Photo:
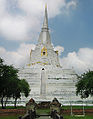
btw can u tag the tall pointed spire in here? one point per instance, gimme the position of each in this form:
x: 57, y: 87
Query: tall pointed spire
x: 45, y: 23
x: 44, y: 37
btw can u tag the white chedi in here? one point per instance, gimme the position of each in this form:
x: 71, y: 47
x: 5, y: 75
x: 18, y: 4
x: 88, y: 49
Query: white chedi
x: 53, y: 81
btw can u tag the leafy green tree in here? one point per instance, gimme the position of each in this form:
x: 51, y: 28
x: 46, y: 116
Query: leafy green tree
x: 1, y: 71
x: 25, y: 87
x: 3, y: 83
x: 8, y: 75
x: 12, y: 79
x: 10, y: 85
x: 16, y: 92
x: 1, y: 61
x: 21, y: 86
x: 84, y: 86
x: 1, y: 78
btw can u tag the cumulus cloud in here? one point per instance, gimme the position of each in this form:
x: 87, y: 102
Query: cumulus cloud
x: 81, y: 61
x: 34, y: 7
x: 21, y: 19
x: 14, y: 28
x: 55, y: 7
x: 17, y: 58
x: 2, y: 8
x: 71, y: 4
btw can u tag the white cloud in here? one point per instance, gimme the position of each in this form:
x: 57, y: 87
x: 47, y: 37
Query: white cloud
x: 18, y: 58
x: 72, y: 4
x: 2, y: 8
x: 34, y: 8
x: 13, y: 28
x: 25, y: 23
x: 81, y: 61
x: 55, y: 7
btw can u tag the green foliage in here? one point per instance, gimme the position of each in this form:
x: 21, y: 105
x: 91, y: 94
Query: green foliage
x: 10, y: 85
x: 8, y: 77
x: 84, y: 86
x: 74, y: 117
x: 25, y: 87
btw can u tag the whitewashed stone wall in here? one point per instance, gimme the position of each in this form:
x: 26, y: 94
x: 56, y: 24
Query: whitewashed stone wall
x: 60, y: 83
x: 50, y: 59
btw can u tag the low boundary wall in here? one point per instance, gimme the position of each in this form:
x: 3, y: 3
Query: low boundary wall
x: 23, y: 111
x: 77, y: 111
x: 12, y: 111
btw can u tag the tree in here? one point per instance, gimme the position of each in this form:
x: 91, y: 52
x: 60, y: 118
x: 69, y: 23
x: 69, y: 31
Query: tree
x: 16, y: 92
x: 3, y: 83
x: 8, y: 74
x: 1, y: 79
x: 21, y: 86
x: 84, y: 86
x: 10, y: 85
x: 25, y: 87
x: 1, y: 70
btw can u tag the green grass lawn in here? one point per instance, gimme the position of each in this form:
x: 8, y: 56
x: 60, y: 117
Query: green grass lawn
x: 77, y: 107
x: 43, y: 111
x: 74, y: 117
x: 9, y: 117
x: 12, y: 107
x: 63, y: 107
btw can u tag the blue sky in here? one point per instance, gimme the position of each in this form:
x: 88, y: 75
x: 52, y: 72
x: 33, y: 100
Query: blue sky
x: 70, y: 23
x: 72, y: 31
x: 75, y: 30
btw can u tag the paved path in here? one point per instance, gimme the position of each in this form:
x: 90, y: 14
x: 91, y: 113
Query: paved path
x: 45, y: 117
